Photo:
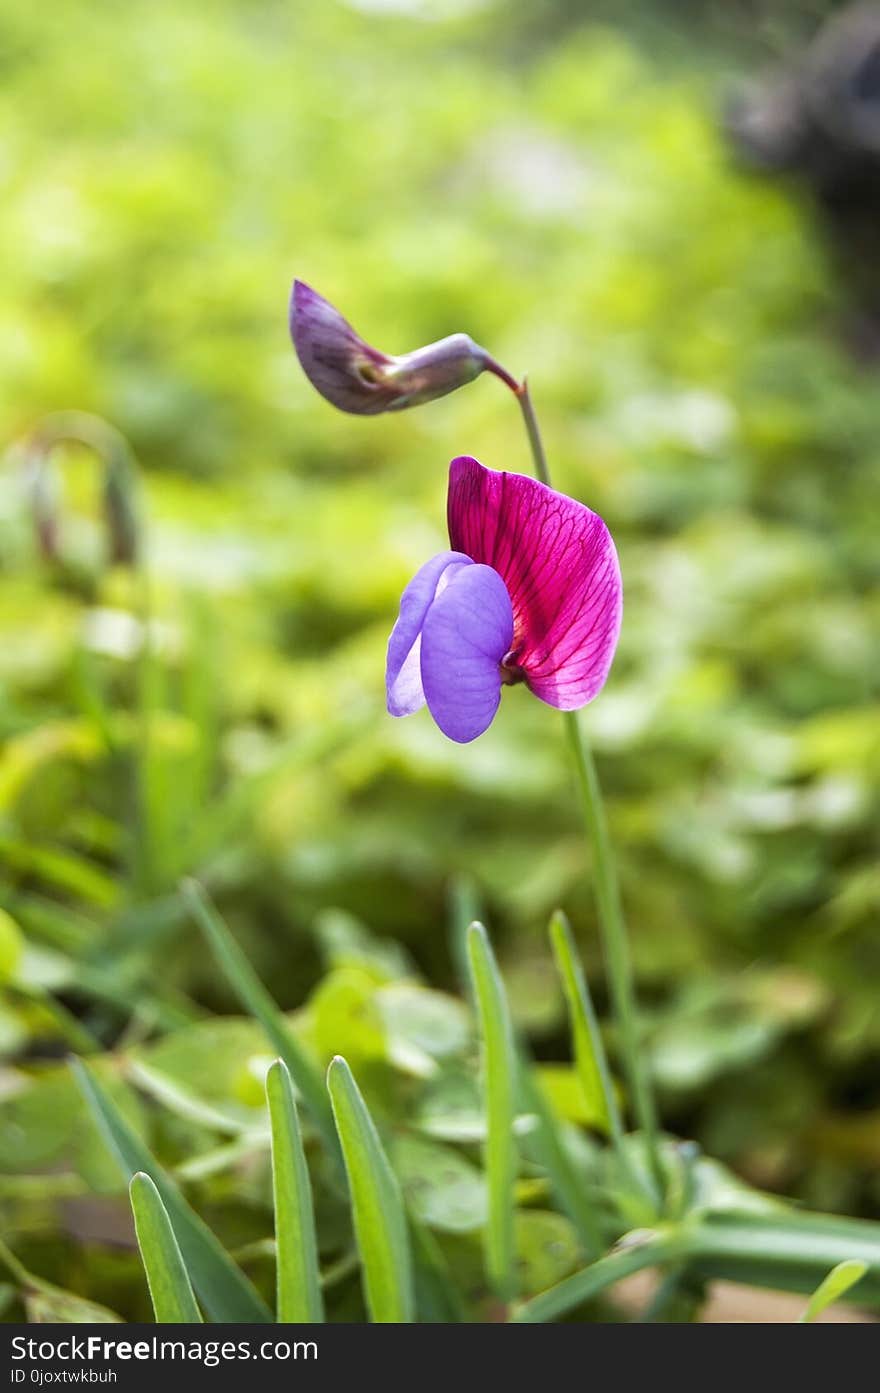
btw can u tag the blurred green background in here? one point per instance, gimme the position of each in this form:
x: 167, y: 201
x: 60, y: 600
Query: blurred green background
x: 549, y: 178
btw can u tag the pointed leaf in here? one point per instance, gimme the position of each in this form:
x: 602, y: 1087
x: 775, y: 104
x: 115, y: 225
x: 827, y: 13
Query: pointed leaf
x: 296, y: 1248
x: 224, y: 1290
x: 379, y: 1217
x: 500, y: 1088
x: 167, y: 1277
x: 568, y: 1182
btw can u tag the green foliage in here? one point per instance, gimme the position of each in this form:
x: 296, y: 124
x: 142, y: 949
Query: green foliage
x: 170, y: 1290
x: 589, y: 1052
x: 257, y: 1000
x: 44, y: 1302
x: 296, y: 1258
x: 838, y: 1282
x: 551, y: 1148
x: 420, y: 1264
x: 215, y: 712
x: 376, y: 1201
x: 499, y: 1087
x: 225, y: 1291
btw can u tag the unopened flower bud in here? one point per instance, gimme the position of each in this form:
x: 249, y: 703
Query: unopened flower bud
x: 356, y: 377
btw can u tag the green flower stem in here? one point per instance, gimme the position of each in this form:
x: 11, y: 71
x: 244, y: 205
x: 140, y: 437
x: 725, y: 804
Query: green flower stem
x: 536, y: 444
x: 615, y: 943
x: 613, y: 927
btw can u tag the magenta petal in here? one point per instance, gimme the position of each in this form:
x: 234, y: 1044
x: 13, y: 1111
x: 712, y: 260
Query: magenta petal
x: 466, y: 633
x: 559, y: 564
x: 403, y: 676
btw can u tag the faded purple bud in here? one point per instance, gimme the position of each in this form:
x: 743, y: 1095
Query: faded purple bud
x: 356, y: 377
x: 119, y: 483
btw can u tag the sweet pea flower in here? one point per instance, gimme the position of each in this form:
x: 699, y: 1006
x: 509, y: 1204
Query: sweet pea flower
x: 351, y: 374
x: 530, y: 592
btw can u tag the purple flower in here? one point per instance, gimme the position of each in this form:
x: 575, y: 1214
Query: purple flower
x: 356, y: 377
x: 531, y: 593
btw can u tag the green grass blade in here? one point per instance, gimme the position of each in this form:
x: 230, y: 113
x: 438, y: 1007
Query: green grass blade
x: 379, y: 1217
x: 500, y: 1085
x: 589, y: 1052
x: 255, y: 999
x: 590, y: 1058
x: 835, y: 1285
x: 224, y: 1290
x: 167, y: 1277
x: 464, y: 908
x: 567, y: 1295
x: 790, y: 1250
x: 296, y: 1248
x: 565, y: 1178
x: 438, y: 1298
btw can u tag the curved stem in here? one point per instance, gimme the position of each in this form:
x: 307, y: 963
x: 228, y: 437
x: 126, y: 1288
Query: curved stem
x: 536, y: 444
x: 492, y: 365
x: 613, y: 927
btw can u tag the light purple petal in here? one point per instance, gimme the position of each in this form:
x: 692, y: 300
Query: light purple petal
x: 466, y: 632
x: 403, y: 678
x: 559, y: 564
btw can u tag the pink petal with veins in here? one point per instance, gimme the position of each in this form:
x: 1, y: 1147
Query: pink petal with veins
x: 559, y: 564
